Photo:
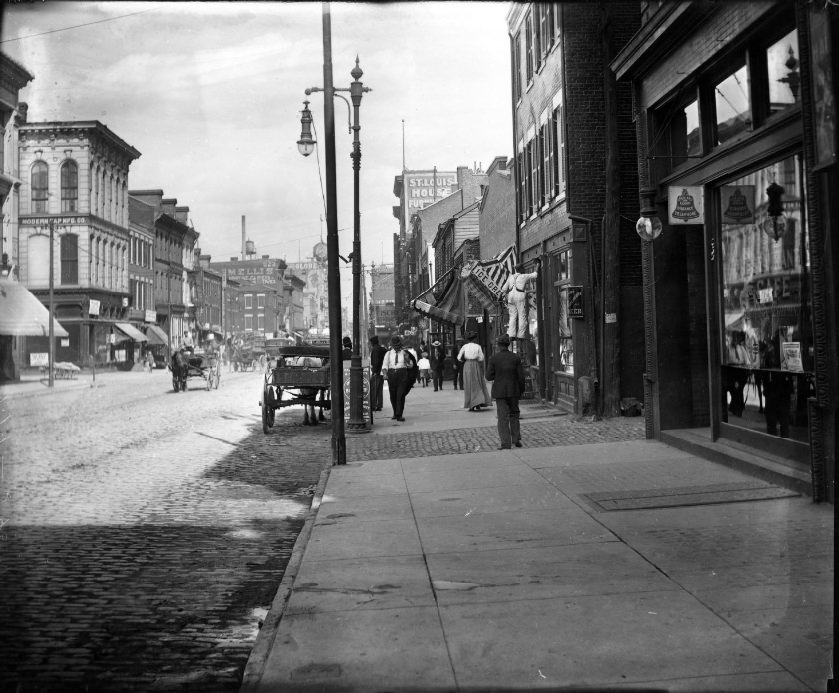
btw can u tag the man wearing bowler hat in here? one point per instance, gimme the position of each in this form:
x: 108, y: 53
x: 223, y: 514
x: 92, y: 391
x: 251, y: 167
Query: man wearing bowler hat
x: 398, y: 364
x: 506, y: 372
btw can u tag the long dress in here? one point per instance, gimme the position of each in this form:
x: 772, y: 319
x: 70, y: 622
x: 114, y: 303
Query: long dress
x: 475, y: 392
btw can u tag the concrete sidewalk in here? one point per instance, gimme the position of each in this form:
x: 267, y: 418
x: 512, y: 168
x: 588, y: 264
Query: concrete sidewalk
x: 606, y: 566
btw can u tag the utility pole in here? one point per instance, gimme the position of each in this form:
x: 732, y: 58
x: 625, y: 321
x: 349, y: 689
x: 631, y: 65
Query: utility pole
x: 339, y: 443
x: 51, y: 381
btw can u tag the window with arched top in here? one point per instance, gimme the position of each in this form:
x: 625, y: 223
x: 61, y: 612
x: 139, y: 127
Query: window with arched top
x: 69, y: 187
x: 40, y: 186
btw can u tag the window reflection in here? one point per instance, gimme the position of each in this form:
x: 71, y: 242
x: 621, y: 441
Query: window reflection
x: 732, y: 105
x: 784, y: 79
x: 767, y: 354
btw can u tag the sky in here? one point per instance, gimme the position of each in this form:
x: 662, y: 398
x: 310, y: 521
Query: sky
x: 210, y: 93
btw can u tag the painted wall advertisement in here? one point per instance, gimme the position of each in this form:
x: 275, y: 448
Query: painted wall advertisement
x: 423, y: 188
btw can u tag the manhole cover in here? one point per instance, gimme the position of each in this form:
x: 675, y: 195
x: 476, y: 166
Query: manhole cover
x: 686, y: 495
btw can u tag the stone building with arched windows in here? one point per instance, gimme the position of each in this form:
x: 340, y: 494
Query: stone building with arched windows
x: 73, y: 207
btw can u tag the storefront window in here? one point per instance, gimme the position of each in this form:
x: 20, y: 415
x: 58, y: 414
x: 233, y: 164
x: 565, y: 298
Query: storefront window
x: 732, y: 105
x: 767, y: 354
x: 784, y: 78
x: 564, y: 327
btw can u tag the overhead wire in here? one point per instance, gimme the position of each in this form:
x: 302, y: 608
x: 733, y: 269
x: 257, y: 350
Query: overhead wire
x: 76, y: 26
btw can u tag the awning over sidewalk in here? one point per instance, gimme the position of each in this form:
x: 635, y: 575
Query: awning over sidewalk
x: 131, y: 332
x: 444, y: 300
x: 486, y: 278
x: 23, y: 315
x: 156, y: 336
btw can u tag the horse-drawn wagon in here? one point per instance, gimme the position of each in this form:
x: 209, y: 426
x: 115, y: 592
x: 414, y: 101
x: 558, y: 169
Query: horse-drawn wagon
x: 299, y: 376
x: 187, y: 364
x: 247, y: 351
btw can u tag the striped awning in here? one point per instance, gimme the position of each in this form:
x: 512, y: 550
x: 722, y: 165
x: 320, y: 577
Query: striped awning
x: 444, y: 300
x: 486, y: 278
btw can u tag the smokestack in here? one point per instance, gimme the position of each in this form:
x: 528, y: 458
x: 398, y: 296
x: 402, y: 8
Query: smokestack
x: 243, y: 237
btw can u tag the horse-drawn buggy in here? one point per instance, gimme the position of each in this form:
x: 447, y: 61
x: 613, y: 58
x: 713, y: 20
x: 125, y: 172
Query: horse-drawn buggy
x: 300, y: 375
x: 188, y: 364
x: 247, y: 351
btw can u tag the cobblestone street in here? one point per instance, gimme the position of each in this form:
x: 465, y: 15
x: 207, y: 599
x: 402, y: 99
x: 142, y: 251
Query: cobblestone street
x: 145, y: 532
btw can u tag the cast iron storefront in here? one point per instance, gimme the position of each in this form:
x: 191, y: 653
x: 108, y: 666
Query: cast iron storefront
x: 737, y: 300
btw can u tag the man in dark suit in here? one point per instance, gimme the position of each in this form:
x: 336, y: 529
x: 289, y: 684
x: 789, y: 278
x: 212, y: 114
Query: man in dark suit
x: 506, y: 372
x: 377, y: 357
x: 438, y: 363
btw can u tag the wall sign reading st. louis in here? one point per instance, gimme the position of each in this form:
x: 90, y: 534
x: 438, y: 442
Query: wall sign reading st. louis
x: 685, y: 205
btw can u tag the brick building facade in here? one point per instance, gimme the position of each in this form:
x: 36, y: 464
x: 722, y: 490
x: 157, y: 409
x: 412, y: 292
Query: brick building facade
x: 576, y: 181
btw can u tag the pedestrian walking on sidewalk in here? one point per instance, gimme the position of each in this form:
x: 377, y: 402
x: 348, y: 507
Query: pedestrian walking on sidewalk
x: 399, y: 364
x: 471, y: 356
x: 438, y: 364
x: 377, y: 357
x: 424, y: 369
x: 506, y: 372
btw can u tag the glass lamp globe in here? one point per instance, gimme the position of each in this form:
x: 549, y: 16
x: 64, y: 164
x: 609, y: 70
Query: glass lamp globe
x: 648, y: 228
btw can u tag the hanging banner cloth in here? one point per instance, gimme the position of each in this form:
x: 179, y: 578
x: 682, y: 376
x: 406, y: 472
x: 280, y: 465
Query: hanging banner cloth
x: 444, y: 300
x: 22, y: 314
x: 486, y: 278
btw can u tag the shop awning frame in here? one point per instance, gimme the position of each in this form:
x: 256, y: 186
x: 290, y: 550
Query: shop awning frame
x: 156, y: 335
x: 131, y: 332
x: 444, y: 300
x: 23, y: 315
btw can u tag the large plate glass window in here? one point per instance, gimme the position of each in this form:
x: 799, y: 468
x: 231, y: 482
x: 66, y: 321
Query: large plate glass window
x: 767, y: 352
x: 733, y: 111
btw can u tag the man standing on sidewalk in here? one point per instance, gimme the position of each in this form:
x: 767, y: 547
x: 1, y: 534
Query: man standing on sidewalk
x: 507, y: 375
x: 399, y: 366
x: 438, y: 363
x: 377, y: 357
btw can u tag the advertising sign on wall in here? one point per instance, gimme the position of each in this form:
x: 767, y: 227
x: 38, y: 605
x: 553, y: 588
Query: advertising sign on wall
x: 423, y: 188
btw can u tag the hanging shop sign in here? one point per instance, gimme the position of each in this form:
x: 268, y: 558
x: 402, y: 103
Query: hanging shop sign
x: 575, y: 302
x: 93, y: 308
x: 685, y: 205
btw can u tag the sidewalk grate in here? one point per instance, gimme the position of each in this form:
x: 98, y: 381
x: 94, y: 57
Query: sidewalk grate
x: 680, y: 496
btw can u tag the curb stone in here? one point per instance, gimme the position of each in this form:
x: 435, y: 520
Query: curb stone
x: 255, y: 666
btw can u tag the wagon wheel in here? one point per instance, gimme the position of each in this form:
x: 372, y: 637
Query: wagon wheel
x: 267, y: 409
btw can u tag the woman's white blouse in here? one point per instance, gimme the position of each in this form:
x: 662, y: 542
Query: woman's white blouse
x: 471, y: 352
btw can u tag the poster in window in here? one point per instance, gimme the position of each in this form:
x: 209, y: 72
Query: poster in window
x: 791, y: 356
x: 822, y: 77
x: 737, y: 204
x: 575, y: 302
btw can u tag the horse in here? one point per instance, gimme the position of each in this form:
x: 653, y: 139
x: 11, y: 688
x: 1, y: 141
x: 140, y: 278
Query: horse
x: 315, y: 393
x: 180, y: 367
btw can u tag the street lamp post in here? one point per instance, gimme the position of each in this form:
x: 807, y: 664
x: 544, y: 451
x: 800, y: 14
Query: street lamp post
x: 357, y: 423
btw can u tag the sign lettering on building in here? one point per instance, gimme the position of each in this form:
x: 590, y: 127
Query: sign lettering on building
x: 423, y: 188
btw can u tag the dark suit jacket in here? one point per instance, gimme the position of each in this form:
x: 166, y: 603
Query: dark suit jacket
x: 506, y: 373
x: 377, y: 357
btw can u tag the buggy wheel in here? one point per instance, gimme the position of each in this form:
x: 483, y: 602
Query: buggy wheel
x: 267, y: 409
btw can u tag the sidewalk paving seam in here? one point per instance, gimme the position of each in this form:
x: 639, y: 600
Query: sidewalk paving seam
x: 430, y: 581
